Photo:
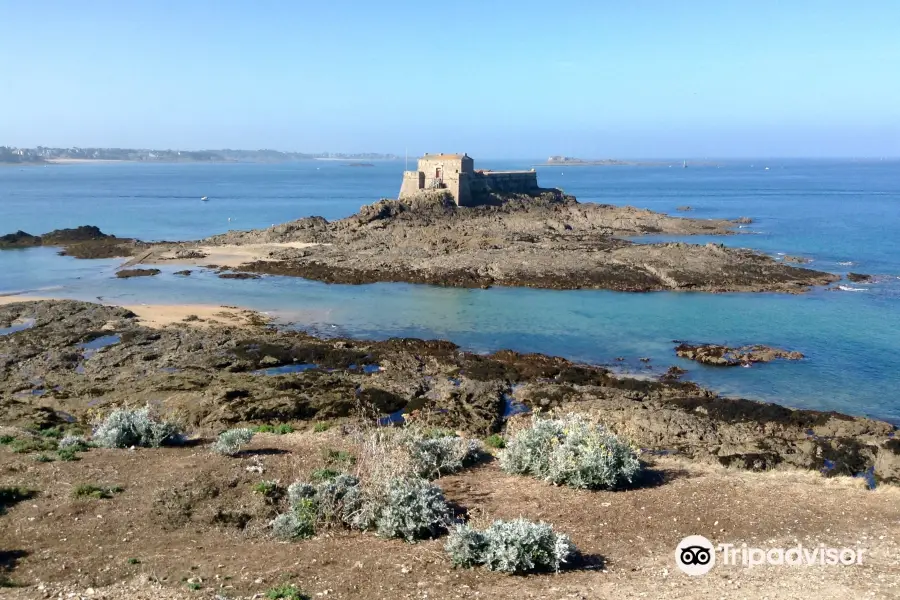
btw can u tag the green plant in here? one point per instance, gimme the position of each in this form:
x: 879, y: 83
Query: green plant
x: 269, y: 489
x: 133, y: 561
x: 280, y: 429
x: 323, y: 474
x: 230, y: 443
x: 338, y: 457
x: 432, y: 456
x: 43, y: 458
x: 571, y: 451
x: 73, y: 442
x: 6, y: 439
x: 286, y: 592
x: 32, y: 444
x: 87, y: 490
x: 518, y: 546
x: 495, y: 441
x: 321, y: 426
x: 13, y: 495
x: 194, y: 586
x: 67, y: 454
x: 126, y: 427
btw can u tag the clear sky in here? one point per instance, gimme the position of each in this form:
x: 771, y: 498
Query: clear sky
x: 495, y: 78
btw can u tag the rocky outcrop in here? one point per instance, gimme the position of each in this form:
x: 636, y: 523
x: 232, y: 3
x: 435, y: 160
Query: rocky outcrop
x: 723, y: 356
x: 743, y: 220
x: 127, y: 273
x: 800, y: 260
x: 211, y: 377
x: 86, y: 241
x: 858, y: 277
x: 548, y: 241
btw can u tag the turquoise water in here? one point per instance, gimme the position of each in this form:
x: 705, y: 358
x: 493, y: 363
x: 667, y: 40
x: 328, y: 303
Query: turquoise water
x: 828, y: 211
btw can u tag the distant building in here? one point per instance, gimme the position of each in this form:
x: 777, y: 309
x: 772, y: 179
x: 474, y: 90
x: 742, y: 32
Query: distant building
x: 456, y: 174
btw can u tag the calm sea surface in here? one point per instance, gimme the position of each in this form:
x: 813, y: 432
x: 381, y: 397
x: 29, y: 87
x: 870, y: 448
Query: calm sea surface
x: 832, y: 212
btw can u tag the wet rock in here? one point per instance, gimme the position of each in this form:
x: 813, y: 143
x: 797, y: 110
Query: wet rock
x: 743, y: 220
x: 19, y: 239
x: 713, y: 354
x: 207, y: 377
x: 238, y: 276
x: 684, y: 208
x: 797, y: 259
x: 858, y: 277
x: 126, y: 273
x: 184, y: 273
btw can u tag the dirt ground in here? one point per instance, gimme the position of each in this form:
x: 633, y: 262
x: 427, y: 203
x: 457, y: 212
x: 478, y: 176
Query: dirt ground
x: 187, y: 524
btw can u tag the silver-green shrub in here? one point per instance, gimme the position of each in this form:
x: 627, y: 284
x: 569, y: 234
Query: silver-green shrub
x: 229, y: 443
x: 431, y: 457
x: 339, y: 500
x: 518, y: 546
x: 127, y: 427
x: 571, y: 451
x: 298, y: 523
x: 73, y: 442
x: 410, y: 508
x: 299, y: 491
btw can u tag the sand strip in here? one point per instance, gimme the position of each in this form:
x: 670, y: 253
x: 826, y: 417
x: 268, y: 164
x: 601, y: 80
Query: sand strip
x: 161, y: 315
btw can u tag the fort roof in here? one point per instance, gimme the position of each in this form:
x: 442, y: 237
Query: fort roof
x: 447, y: 156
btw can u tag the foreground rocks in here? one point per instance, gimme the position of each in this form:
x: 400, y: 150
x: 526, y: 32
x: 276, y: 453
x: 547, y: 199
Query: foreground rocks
x: 80, y: 359
x: 551, y: 241
x: 723, y: 356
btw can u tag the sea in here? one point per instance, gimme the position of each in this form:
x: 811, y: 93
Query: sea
x: 843, y: 215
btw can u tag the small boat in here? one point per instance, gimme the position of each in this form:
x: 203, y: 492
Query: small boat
x: 204, y: 199
x: 684, y: 165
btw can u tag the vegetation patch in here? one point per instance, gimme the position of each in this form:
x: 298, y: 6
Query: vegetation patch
x: 87, y: 490
x: 518, y: 546
x: 286, y: 592
x: 231, y: 442
x: 127, y: 427
x: 571, y: 451
x: 280, y: 429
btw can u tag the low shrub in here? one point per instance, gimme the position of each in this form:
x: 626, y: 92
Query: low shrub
x: 297, y: 523
x: 67, y: 454
x: 571, y: 451
x: 286, y: 592
x: 338, y: 457
x: 94, y: 491
x: 339, y: 500
x: 25, y: 445
x: 43, y: 458
x: 280, y: 429
x: 321, y: 426
x: 432, y: 457
x: 73, y: 442
x: 272, y: 490
x: 6, y: 439
x: 518, y: 546
x: 323, y: 475
x: 410, y: 508
x: 300, y: 491
x: 495, y: 441
x: 126, y: 427
x: 230, y: 443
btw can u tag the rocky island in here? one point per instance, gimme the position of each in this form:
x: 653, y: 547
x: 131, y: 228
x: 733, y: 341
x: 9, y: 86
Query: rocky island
x: 545, y: 241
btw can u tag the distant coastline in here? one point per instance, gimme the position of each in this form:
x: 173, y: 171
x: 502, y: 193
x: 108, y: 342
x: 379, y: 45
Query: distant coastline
x: 42, y: 156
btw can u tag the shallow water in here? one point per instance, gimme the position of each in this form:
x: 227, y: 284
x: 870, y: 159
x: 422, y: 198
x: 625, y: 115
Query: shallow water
x: 831, y: 212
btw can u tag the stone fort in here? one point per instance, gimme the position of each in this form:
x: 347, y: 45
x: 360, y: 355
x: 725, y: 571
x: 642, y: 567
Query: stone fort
x: 456, y: 174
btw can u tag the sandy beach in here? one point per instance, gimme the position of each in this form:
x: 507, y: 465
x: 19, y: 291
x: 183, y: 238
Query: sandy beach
x: 227, y: 255
x: 161, y: 315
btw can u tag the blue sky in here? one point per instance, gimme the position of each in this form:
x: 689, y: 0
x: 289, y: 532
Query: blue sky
x: 494, y: 78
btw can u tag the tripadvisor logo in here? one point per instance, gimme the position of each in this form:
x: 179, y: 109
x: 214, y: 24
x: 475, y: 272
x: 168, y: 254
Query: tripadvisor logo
x: 696, y: 555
